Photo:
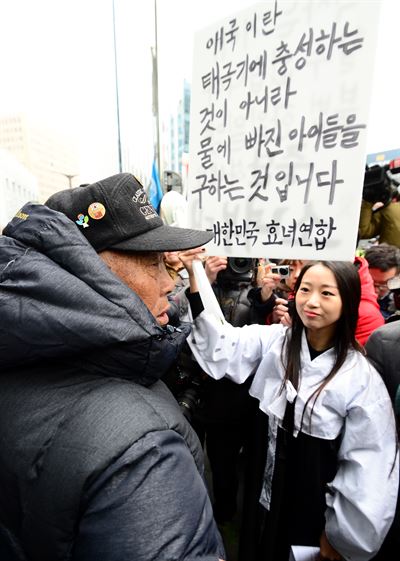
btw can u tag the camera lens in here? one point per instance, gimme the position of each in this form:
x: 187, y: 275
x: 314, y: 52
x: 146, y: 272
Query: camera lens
x: 283, y: 271
x: 189, y: 402
x: 240, y: 264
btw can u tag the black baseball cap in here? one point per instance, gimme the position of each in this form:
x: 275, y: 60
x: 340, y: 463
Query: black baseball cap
x: 115, y: 213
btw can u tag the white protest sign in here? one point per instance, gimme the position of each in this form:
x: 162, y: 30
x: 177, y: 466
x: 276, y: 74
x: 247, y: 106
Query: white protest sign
x: 279, y: 108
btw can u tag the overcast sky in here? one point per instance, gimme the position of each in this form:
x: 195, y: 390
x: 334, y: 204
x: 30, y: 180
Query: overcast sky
x: 57, y: 61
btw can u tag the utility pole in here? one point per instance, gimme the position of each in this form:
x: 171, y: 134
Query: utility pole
x: 156, y: 113
x: 117, y: 92
x: 69, y: 176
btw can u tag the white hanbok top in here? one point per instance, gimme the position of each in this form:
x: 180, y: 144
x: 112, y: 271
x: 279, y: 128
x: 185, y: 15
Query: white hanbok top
x: 354, y: 405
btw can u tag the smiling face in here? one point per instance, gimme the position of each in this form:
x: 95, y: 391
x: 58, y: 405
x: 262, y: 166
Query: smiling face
x: 319, y: 305
x: 145, y: 274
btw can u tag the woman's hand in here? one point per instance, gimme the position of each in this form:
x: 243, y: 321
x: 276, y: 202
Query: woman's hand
x: 280, y: 309
x: 268, y: 282
x: 286, y: 320
x: 280, y: 313
x: 377, y: 206
x: 214, y: 265
x: 326, y: 551
x: 187, y: 257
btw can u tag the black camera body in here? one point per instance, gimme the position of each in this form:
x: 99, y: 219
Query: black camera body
x: 239, y: 269
x: 189, y: 392
x: 377, y: 186
x: 186, y: 381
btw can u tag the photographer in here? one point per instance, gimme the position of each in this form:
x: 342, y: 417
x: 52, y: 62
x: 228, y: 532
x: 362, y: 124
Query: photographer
x: 286, y: 273
x: 380, y: 215
x: 185, y: 377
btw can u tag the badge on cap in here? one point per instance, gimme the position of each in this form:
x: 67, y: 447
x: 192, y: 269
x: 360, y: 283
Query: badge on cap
x: 83, y: 220
x: 96, y: 211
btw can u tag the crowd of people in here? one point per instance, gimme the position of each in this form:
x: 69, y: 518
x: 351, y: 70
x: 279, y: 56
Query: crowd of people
x: 115, y: 380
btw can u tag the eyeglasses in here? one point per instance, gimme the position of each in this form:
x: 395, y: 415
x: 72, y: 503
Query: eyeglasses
x: 382, y: 285
x: 390, y: 284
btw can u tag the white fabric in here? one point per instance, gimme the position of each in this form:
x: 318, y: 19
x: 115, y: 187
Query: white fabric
x: 174, y: 209
x: 355, y: 404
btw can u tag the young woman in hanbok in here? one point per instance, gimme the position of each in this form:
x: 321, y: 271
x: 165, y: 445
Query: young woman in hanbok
x: 331, y: 473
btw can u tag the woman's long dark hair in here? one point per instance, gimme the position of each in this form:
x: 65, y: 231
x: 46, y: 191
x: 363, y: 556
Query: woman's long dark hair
x: 349, y: 286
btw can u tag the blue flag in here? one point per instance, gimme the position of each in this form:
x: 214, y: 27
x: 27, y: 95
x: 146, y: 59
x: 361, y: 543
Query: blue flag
x: 155, y: 190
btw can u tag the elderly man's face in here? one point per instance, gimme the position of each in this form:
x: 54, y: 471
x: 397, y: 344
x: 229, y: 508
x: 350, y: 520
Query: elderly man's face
x: 145, y: 274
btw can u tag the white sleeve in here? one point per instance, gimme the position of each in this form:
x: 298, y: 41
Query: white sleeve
x: 362, y: 502
x: 221, y: 349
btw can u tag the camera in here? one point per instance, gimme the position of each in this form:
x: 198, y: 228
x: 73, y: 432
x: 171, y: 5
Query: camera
x: 377, y: 185
x: 282, y: 270
x: 189, y: 392
x: 186, y: 381
x: 238, y: 269
x: 189, y: 400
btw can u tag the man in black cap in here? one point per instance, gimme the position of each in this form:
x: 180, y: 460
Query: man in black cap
x: 96, y: 459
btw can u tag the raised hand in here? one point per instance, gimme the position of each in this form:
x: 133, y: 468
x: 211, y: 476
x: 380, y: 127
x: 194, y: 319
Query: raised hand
x: 214, y: 265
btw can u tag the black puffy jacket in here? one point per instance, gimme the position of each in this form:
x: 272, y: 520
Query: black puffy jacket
x: 96, y: 460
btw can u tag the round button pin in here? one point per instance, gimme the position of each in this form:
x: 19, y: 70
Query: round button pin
x: 96, y: 211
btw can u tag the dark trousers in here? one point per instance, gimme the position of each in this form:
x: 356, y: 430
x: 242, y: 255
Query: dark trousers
x: 223, y: 423
x: 223, y: 445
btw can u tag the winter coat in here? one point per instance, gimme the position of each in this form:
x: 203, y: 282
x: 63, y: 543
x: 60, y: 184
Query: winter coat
x: 369, y: 315
x: 96, y: 459
x: 384, y: 222
x: 383, y: 348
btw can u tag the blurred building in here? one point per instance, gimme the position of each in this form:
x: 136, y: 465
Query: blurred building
x: 51, y: 158
x: 17, y: 186
x: 179, y: 127
x: 382, y: 158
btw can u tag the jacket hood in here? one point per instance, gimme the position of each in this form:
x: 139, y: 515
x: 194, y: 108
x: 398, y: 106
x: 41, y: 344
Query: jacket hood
x: 369, y: 316
x: 60, y: 304
x: 367, y: 284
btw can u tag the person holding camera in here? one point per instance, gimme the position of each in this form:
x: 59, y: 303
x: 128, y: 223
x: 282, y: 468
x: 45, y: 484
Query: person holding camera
x: 331, y: 472
x: 369, y: 317
x: 288, y: 271
x: 380, y: 212
x: 184, y: 378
